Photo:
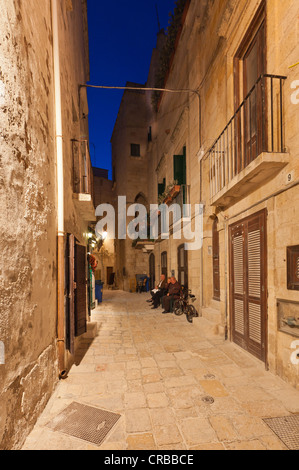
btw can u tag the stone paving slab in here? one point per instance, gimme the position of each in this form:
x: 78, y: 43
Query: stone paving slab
x: 155, y: 370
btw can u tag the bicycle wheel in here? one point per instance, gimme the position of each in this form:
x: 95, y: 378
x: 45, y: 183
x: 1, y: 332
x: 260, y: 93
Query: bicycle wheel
x: 178, y: 308
x: 189, y: 314
x: 194, y: 311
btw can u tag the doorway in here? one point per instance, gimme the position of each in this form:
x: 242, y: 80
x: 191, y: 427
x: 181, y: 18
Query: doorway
x: 164, y: 264
x: 183, y: 266
x: 248, y: 281
x: 250, y: 67
x: 152, y: 271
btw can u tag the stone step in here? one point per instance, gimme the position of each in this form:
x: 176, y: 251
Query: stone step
x: 212, y: 314
x: 215, y: 304
x: 208, y: 328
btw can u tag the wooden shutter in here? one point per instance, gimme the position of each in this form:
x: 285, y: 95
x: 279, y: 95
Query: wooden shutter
x: 152, y: 271
x: 164, y: 264
x: 248, y: 284
x: 70, y: 294
x: 237, y: 286
x: 183, y: 266
x: 81, y: 293
x: 179, y: 168
x: 216, y: 263
x: 257, y: 301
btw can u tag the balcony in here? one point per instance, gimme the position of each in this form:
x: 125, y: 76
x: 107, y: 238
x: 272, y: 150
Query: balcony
x: 250, y: 151
x: 83, y: 195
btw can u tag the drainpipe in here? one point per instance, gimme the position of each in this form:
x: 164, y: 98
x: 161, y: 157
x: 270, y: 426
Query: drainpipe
x: 60, y: 196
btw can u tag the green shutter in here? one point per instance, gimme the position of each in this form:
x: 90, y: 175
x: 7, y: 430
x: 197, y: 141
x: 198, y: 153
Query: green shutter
x: 179, y: 168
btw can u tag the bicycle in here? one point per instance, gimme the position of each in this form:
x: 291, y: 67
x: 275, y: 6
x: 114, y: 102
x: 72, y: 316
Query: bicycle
x: 182, y: 305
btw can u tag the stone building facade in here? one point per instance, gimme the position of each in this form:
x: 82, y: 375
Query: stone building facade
x: 29, y: 293
x: 229, y: 140
x: 103, y: 194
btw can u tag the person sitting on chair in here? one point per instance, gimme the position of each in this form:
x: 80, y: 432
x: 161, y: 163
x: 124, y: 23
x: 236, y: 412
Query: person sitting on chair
x: 159, y: 292
x: 173, y: 294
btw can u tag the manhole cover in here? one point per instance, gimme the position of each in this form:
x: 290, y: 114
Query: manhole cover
x: 287, y: 429
x: 208, y: 400
x: 84, y: 422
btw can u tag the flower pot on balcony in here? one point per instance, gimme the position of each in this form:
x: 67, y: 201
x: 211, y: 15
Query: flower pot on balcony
x: 167, y: 200
x: 175, y: 191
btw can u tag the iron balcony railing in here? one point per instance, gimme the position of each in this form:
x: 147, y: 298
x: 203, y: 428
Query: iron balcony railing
x: 256, y: 127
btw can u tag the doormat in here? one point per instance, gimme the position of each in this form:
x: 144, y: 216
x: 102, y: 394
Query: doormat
x: 287, y: 429
x: 85, y: 422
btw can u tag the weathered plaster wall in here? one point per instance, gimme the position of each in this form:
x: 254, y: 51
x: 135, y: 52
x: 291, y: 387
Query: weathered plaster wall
x: 27, y: 217
x: 28, y: 225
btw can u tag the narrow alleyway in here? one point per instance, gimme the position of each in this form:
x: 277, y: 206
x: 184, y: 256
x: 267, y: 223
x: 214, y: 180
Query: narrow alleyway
x: 156, y: 371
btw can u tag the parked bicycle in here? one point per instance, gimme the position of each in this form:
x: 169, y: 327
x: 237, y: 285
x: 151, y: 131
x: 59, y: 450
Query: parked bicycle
x: 183, y: 305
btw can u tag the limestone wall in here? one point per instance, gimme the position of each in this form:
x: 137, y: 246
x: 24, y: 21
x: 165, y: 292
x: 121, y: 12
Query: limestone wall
x: 28, y: 222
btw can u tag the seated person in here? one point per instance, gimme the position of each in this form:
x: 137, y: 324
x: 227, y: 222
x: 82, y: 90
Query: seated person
x: 159, y: 292
x: 174, y: 290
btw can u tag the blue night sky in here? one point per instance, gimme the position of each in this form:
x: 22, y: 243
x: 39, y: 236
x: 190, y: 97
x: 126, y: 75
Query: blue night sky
x: 122, y: 35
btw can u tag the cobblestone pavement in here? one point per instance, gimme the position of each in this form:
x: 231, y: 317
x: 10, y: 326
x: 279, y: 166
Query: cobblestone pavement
x: 155, y: 370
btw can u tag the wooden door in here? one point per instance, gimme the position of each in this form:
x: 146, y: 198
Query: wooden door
x: 152, y: 271
x: 183, y: 266
x: 250, y: 89
x: 109, y: 273
x: 70, y: 293
x: 254, y: 68
x: 248, y: 280
x: 164, y: 264
x: 81, y: 290
x: 216, y: 261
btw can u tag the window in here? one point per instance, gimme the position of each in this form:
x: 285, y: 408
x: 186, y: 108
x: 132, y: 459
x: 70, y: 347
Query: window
x: 135, y: 150
x: 293, y: 267
x: 161, y: 187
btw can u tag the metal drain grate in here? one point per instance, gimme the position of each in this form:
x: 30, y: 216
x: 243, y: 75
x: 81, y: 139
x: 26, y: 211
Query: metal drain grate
x: 84, y: 422
x: 287, y: 429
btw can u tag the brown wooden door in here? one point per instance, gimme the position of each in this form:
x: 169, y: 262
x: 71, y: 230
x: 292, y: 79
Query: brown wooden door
x: 254, y: 68
x: 109, y: 273
x: 183, y: 266
x: 248, y: 276
x: 164, y: 264
x: 81, y: 290
x: 216, y: 261
x: 70, y: 293
x: 250, y: 89
x: 152, y: 271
